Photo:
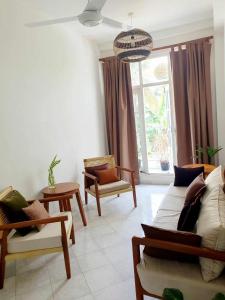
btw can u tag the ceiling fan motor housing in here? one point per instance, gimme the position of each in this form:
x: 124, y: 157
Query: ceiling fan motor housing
x: 90, y: 18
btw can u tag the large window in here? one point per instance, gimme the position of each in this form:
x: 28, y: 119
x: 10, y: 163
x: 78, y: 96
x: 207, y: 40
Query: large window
x: 151, y: 83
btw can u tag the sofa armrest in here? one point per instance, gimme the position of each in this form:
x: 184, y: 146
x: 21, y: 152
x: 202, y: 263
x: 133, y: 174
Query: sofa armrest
x: 192, y: 250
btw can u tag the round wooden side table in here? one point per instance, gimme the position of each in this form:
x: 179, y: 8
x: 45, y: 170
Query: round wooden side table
x: 207, y: 168
x: 66, y: 188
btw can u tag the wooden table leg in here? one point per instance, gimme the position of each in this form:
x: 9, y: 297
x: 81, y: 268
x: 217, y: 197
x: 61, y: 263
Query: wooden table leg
x: 81, y: 209
x: 61, y: 206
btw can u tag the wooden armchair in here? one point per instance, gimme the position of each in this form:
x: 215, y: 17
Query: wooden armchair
x: 54, y: 237
x: 115, y: 188
x: 152, y: 275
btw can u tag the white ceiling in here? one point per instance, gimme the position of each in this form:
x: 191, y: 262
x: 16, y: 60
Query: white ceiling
x: 151, y: 15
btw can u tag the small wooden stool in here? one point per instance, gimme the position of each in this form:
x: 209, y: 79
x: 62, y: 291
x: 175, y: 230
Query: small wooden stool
x: 66, y: 188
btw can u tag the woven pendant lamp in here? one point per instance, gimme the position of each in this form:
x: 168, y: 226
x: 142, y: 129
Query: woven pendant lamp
x: 133, y: 45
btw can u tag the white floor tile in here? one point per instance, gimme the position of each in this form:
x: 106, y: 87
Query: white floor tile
x: 71, y: 289
x: 101, y: 278
x: 123, y: 291
x: 110, y: 240
x: 88, y: 297
x: 42, y: 293
x: 119, y: 252
x: 57, y: 269
x: 9, y: 288
x: 32, y: 264
x: 32, y: 280
x: 85, y: 245
x: 92, y: 261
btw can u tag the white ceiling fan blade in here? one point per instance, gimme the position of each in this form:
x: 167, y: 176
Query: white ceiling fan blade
x: 116, y: 24
x: 51, y: 22
x: 95, y: 4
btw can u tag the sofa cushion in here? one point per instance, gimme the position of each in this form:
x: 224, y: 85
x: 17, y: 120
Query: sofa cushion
x: 184, y: 176
x: 211, y: 226
x: 196, y: 187
x: 14, y: 202
x: 186, y: 238
x: 192, y: 204
x: 111, y: 187
x: 213, y: 179
x: 166, y: 219
x: 107, y: 176
x: 156, y: 274
x: 36, y: 211
x: 169, y: 209
x: 189, y: 215
x: 48, y: 237
x: 176, y: 191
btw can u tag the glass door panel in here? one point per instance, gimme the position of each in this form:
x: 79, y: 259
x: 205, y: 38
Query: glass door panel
x: 158, y: 127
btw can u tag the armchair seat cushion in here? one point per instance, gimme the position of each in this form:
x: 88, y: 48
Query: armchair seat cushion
x: 111, y: 187
x: 48, y: 237
x: 155, y: 275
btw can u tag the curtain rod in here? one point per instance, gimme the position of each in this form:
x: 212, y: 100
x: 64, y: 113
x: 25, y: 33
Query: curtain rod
x: 167, y: 47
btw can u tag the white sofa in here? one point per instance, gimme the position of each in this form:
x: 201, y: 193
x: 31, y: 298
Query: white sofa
x: 152, y: 275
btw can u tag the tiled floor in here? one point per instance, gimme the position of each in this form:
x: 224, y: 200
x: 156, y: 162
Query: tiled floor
x: 101, y: 260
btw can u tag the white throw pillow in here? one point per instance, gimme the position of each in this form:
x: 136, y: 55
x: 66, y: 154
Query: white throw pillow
x: 211, y: 226
x: 215, y: 177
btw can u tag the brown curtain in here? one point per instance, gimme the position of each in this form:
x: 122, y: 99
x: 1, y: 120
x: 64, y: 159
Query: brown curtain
x: 120, y: 121
x: 192, y: 98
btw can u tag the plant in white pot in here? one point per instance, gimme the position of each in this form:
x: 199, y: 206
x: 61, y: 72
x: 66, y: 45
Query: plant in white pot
x: 51, y: 177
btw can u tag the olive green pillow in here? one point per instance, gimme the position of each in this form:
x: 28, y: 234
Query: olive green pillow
x: 14, y: 202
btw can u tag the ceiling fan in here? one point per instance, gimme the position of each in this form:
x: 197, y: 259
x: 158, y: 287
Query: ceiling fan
x: 91, y: 16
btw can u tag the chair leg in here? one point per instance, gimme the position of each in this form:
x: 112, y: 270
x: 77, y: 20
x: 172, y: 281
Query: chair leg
x: 2, y: 271
x: 86, y: 197
x: 67, y: 261
x: 98, y: 206
x: 139, y: 295
x: 72, y: 235
x: 65, y: 250
x: 134, y: 189
x: 134, y: 197
x: 2, y: 259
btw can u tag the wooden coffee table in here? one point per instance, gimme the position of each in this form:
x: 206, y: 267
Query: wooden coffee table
x: 66, y: 188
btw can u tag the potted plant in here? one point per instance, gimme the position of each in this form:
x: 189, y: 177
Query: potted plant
x: 210, y: 151
x: 174, y: 294
x: 51, y: 178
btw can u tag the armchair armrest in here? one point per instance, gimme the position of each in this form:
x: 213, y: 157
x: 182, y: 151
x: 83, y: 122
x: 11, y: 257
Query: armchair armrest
x: 90, y: 176
x: 125, y: 169
x: 51, y: 199
x: 192, y: 250
x: 33, y: 222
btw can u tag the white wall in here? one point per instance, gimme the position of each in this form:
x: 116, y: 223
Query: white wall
x: 50, y: 101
